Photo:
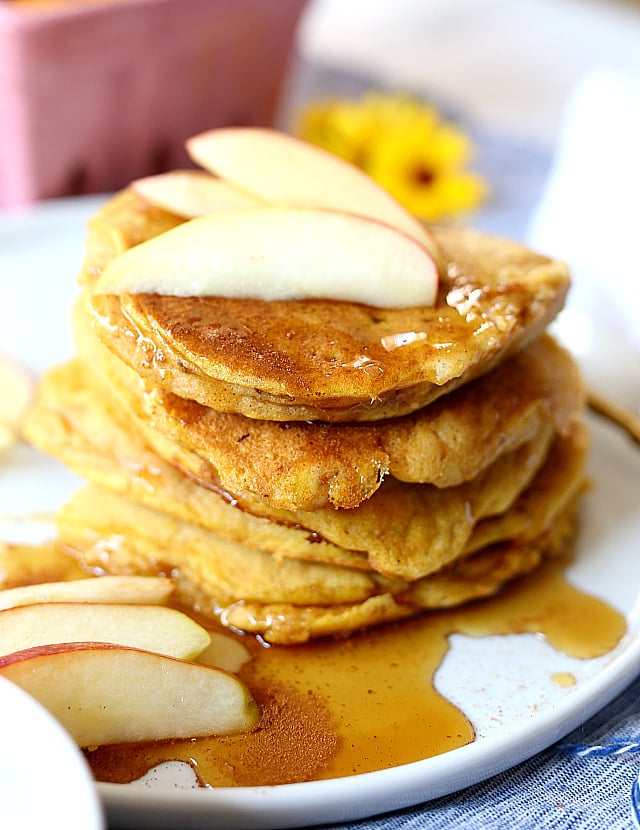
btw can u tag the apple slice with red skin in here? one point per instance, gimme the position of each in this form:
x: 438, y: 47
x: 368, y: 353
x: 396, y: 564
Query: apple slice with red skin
x: 150, y: 627
x: 104, y: 694
x: 192, y: 193
x: 287, y: 171
x: 154, y: 590
x: 279, y: 254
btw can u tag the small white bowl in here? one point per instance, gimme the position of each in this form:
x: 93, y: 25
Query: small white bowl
x: 44, y: 778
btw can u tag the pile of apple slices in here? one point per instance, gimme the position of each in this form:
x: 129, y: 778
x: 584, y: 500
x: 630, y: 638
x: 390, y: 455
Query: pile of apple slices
x: 275, y: 218
x: 114, y: 663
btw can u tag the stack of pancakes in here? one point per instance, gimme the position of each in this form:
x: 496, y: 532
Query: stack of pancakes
x: 310, y: 467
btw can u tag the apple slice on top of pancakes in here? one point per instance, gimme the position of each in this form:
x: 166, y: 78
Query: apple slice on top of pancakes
x: 279, y: 219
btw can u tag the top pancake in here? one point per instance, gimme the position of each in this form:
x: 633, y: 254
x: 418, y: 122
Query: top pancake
x: 301, y: 465
x: 320, y: 359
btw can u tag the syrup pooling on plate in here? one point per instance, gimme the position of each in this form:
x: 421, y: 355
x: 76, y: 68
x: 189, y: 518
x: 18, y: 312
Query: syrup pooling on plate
x: 340, y: 707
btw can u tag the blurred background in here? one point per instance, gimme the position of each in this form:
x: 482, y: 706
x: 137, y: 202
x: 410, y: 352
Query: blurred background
x: 521, y: 118
x: 507, y: 73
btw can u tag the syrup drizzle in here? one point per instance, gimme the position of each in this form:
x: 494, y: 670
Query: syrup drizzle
x: 339, y: 707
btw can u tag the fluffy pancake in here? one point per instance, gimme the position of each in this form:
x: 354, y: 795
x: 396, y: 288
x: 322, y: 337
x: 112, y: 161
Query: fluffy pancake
x: 410, y: 530
x: 309, y: 468
x: 404, y: 531
x: 319, y: 359
x: 476, y: 577
x: 299, y: 465
x: 284, y: 600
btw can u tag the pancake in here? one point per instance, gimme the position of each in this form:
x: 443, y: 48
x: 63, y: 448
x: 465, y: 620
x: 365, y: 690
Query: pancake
x: 320, y: 359
x: 404, y: 531
x: 476, y: 577
x: 307, y: 466
x: 286, y: 601
x: 108, y: 234
x: 410, y: 530
x: 70, y: 423
x: 310, y: 468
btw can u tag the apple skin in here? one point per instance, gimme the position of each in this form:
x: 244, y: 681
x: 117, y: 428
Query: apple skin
x: 154, y: 590
x: 104, y: 694
x: 151, y: 627
x: 279, y: 254
x: 192, y: 193
x: 287, y: 171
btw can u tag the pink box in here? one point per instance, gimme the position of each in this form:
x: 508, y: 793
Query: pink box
x: 95, y: 94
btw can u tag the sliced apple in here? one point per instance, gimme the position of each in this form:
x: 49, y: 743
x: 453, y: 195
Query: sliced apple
x: 150, y: 627
x: 225, y: 652
x: 105, y: 694
x: 279, y: 254
x: 16, y: 390
x: 154, y: 590
x: 192, y: 193
x: 28, y: 564
x: 8, y: 437
x: 287, y: 171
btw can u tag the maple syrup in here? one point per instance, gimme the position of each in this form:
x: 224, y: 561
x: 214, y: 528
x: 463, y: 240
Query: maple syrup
x: 335, y: 708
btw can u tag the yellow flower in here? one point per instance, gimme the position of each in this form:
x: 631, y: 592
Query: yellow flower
x: 405, y: 146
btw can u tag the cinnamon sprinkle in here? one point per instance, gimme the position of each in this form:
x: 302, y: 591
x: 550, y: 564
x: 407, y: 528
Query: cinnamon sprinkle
x: 294, y: 740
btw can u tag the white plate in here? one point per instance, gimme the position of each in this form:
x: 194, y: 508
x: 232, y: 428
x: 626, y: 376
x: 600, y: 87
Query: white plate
x: 39, y: 255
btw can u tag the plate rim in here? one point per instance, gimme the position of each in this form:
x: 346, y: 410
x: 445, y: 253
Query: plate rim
x: 462, y: 767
